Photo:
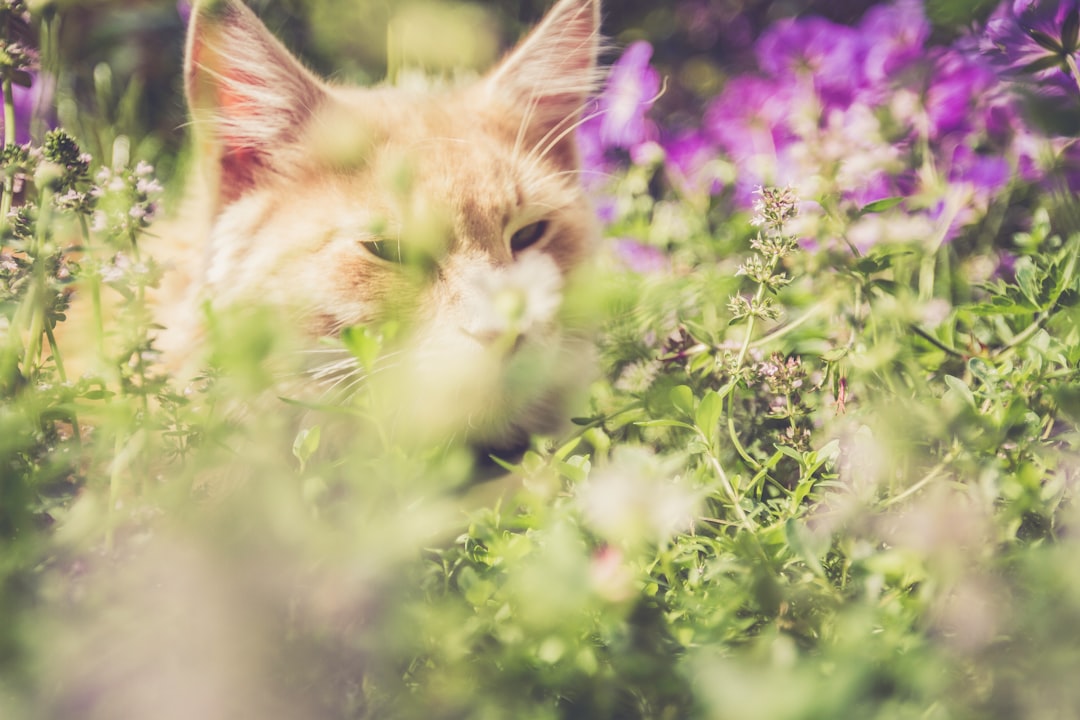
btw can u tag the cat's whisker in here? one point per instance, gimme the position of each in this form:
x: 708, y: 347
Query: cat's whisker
x: 354, y: 374
x: 347, y: 391
x: 333, y: 369
x: 559, y: 133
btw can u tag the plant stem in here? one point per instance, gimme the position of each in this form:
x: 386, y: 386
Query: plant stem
x: 9, y: 139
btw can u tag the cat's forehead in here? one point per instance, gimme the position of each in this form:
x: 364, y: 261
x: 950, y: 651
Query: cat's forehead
x: 447, y: 145
x: 454, y: 119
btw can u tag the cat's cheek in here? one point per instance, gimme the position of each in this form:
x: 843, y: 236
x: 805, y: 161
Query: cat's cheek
x: 358, y: 290
x: 573, y: 242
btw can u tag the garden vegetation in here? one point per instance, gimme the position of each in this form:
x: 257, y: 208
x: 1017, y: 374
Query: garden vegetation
x: 826, y: 466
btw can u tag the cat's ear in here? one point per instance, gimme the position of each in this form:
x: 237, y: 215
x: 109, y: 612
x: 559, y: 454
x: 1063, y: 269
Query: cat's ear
x: 249, y: 97
x: 554, y: 70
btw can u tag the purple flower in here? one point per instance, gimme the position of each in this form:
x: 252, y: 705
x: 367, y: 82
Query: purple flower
x: 1039, y: 39
x: 639, y: 257
x: 183, y: 9
x: 830, y: 54
x: 750, y: 116
x: 877, y: 186
x: 958, y: 83
x: 894, y: 36
x: 631, y: 89
x: 32, y: 104
x: 986, y: 174
x: 616, y: 118
x: 1063, y: 175
x: 749, y: 120
x: 688, y: 157
x: 591, y: 149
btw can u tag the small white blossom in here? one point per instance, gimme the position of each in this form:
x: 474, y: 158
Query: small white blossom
x: 638, y: 498
x: 517, y: 297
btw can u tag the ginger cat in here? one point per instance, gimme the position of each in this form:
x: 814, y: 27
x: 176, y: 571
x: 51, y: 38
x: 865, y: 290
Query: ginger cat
x: 454, y: 211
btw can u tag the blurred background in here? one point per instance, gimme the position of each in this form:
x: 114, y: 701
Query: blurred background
x: 123, y: 58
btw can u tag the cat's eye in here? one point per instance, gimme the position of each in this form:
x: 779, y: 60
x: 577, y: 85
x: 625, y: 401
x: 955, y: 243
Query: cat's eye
x: 384, y: 250
x: 528, y: 235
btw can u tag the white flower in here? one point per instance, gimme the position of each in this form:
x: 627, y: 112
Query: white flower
x: 517, y: 297
x: 638, y: 498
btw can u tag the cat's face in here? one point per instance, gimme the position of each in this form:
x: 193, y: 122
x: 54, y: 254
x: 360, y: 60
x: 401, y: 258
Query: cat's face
x: 457, y: 212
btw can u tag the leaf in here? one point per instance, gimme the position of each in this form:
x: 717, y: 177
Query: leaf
x: 802, y: 490
x: 1026, y: 279
x: 957, y: 386
x: 1043, y: 63
x: 363, y: 343
x: 1070, y: 31
x: 532, y: 462
x: 871, y: 265
x: 708, y: 413
x: 1004, y: 307
x: 1045, y: 40
x: 575, y: 470
x: 791, y: 453
x: 834, y: 355
x: 306, y: 443
x: 829, y: 452
x: 665, y: 423
x: 98, y: 394
x: 799, y: 541
x: 682, y: 397
x: 567, y: 448
x: 506, y: 464
x: 982, y: 371
x: 881, y: 205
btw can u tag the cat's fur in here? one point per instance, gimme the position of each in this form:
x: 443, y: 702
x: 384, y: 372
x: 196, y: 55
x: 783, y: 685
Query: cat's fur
x: 308, y: 184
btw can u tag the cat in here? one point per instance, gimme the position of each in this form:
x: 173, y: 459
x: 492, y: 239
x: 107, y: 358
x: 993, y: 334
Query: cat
x: 456, y: 212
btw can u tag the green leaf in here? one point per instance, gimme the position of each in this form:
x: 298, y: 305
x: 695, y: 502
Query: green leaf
x: 798, y: 539
x: 881, y: 205
x: 982, y: 371
x: 363, y: 343
x: 958, y: 387
x: 682, y: 397
x: 506, y: 464
x: 1027, y: 281
x: 575, y: 469
x: 1047, y: 41
x: 567, y: 448
x: 532, y: 462
x: 306, y: 444
x: 1070, y: 30
x: 665, y: 423
x: 697, y: 446
x: 834, y: 355
x: 1043, y: 63
x: 791, y: 453
x: 708, y: 413
x: 802, y: 490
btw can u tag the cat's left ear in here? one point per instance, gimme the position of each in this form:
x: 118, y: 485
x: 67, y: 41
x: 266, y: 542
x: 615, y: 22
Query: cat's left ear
x: 249, y: 97
x: 553, y: 71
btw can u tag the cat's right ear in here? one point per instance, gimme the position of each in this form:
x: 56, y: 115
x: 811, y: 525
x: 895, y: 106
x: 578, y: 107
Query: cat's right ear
x: 554, y: 70
x: 249, y: 97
